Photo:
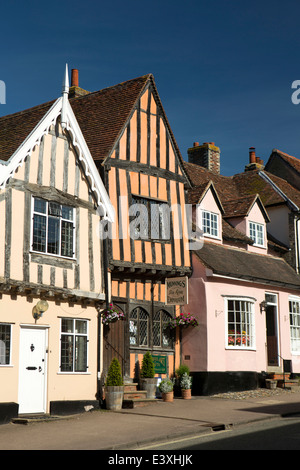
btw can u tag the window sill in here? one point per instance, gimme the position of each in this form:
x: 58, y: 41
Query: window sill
x: 45, y: 258
x: 73, y: 373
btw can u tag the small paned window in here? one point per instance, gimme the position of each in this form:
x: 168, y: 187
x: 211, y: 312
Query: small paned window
x: 257, y: 233
x: 240, y: 324
x: 5, y: 344
x: 210, y: 224
x: 53, y: 228
x: 139, y: 327
x: 162, y: 336
x: 149, y: 219
x: 74, y: 341
x: 294, y: 309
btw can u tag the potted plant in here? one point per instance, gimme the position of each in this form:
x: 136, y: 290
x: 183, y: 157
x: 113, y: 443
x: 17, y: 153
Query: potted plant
x: 114, y: 389
x: 184, y: 320
x: 166, y: 388
x: 147, y: 379
x: 186, y: 385
x: 179, y: 373
x: 112, y: 314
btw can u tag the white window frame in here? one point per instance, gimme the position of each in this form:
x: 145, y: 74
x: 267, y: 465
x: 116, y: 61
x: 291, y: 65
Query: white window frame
x: 253, y: 233
x: 251, y: 325
x: 10, y: 344
x: 46, y: 215
x: 296, y: 327
x: 74, y: 335
x: 211, y: 216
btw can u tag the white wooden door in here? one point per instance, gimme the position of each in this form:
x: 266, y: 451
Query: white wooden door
x: 32, y: 372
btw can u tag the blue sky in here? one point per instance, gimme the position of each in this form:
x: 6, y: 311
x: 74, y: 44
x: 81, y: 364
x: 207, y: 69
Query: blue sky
x: 223, y: 68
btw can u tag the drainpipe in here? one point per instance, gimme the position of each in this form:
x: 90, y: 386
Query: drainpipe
x: 106, y: 292
x: 297, y: 241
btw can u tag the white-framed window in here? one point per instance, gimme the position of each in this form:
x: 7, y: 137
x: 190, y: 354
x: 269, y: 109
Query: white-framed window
x: 210, y: 224
x: 240, y: 323
x: 74, y: 345
x: 53, y: 228
x: 257, y: 233
x: 5, y: 344
x: 294, y: 309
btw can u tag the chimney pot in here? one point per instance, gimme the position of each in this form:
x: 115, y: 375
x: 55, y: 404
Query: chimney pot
x: 252, y: 157
x: 74, y: 78
x: 196, y: 144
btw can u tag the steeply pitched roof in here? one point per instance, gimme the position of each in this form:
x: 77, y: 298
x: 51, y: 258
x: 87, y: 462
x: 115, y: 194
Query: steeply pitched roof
x: 14, y: 128
x: 242, y: 206
x: 244, y: 184
x: 233, y: 234
x: 103, y: 114
x: 289, y: 159
x: 241, y: 264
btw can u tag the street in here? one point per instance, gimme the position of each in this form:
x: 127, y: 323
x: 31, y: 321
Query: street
x: 277, y: 434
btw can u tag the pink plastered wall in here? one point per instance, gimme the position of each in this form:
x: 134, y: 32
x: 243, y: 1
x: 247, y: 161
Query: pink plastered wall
x: 204, y: 347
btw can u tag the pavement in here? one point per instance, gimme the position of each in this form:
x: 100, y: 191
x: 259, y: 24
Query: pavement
x: 133, y: 429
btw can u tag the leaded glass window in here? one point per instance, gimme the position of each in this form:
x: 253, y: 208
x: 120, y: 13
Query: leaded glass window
x: 161, y: 332
x: 149, y: 219
x: 139, y: 327
x: 53, y: 228
x: 5, y: 343
x: 74, y: 340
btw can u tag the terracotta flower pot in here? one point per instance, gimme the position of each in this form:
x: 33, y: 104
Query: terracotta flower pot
x: 186, y: 394
x: 168, y: 396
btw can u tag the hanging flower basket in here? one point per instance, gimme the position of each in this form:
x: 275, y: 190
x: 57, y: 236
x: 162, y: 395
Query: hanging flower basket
x: 184, y: 320
x: 111, y: 315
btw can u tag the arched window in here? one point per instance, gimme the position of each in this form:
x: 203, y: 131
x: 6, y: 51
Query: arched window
x: 139, y: 327
x: 162, y: 336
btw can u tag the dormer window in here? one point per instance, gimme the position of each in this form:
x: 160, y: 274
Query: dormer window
x: 257, y: 233
x: 52, y: 228
x: 210, y: 225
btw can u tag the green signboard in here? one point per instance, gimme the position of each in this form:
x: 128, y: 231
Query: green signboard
x: 160, y: 364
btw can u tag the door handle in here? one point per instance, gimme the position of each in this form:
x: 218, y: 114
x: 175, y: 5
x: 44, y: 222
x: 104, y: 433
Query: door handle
x: 31, y: 368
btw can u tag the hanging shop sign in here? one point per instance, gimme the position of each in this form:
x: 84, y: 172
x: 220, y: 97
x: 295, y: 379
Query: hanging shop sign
x: 177, y: 291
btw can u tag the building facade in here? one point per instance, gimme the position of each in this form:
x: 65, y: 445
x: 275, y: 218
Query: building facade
x: 245, y: 288
x: 51, y: 264
x: 143, y: 172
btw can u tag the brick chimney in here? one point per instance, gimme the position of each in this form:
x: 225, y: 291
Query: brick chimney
x: 255, y: 163
x: 206, y: 155
x: 75, y: 90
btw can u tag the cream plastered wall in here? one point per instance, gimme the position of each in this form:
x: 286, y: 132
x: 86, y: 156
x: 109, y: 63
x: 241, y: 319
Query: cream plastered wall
x: 52, y: 164
x: 60, y: 386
